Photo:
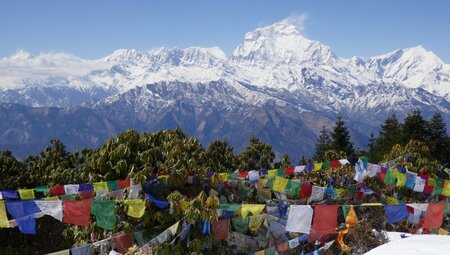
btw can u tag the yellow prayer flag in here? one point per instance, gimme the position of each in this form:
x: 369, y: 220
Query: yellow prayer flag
x: 340, y: 192
x: 317, y: 166
x: 279, y: 184
x: 100, y: 186
x: 272, y: 173
x: 26, y: 194
x: 401, y: 180
x: 261, y: 252
x: 262, y: 183
x: 391, y: 201
x: 223, y: 177
x: 50, y: 198
x: 255, y: 209
x: 431, y: 182
x: 255, y: 222
x: 442, y: 231
x: 136, y: 208
x: 446, y: 189
x: 4, y: 223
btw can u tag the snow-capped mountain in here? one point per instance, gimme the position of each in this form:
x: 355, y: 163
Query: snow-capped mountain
x: 277, y: 84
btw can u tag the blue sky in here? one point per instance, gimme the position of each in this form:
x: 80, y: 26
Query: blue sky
x: 92, y: 29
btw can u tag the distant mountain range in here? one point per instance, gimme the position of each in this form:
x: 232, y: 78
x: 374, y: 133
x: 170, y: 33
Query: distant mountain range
x: 277, y: 85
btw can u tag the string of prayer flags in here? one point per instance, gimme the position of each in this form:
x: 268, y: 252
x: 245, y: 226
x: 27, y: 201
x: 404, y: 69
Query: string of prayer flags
x: 136, y: 208
x: 23, y: 213
x: 26, y: 194
x: 434, y: 215
x: 52, y: 208
x: 105, y: 213
x: 254, y: 209
x: 299, y: 219
x: 325, y: 219
x: 395, y: 213
x: 4, y: 223
x: 77, y: 212
x: 221, y: 228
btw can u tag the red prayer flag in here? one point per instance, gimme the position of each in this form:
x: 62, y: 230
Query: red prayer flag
x: 77, y: 212
x: 325, y: 219
x: 242, y: 175
x: 123, y: 242
x: 57, y: 190
x: 86, y: 194
x: 124, y: 184
x: 221, y: 228
x: 434, y: 215
x: 428, y: 189
x: 289, y: 171
x: 334, y: 164
x: 306, y: 190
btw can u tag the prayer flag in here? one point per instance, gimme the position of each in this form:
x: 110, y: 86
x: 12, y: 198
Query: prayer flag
x: 77, y: 212
x: 279, y: 184
x: 124, y: 184
x: 325, y: 219
x: 105, y: 213
x: 434, y: 215
x: 395, y: 213
x: 112, y: 185
x: 255, y: 209
x: 100, y: 186
x: 299, y: 219
x: 24, y: 214
x: 57, y: 190
x: 221, y: 228
x: 26, y: 194
x: 123, y: 242
x: 51, y: 207
x: 136, y: 208
x: 4, y: 222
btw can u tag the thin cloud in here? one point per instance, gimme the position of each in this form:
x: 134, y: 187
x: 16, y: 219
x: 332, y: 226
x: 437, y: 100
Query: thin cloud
x: 298, y: 20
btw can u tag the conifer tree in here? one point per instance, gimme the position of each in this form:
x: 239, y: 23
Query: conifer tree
x: 341, y: 137
x: 414, y: 128
x: 438, y: 138
x: 323, y: 144
x: 390, y: 134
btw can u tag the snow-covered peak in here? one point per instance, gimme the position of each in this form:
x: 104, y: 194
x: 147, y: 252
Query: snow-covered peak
x: 281, y: 42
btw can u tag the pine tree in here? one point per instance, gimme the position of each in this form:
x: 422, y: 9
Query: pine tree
x: 341, y: 137
x: 323, y: 144
x: 438, y: 138
x: 414, y: 128
x: 390, y: 135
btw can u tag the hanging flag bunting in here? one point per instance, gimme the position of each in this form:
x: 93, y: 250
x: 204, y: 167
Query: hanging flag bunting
x: 325, y: 219
x: 77, y: 212
x: 434, y: 215
x: 395, y: 213
x: 51, y: 208
x: 105, y: 213
x: 136, y: 208
x: 24, y: 214
x: 4, y: 222
x: 299, y: 219
x: 255, y: 209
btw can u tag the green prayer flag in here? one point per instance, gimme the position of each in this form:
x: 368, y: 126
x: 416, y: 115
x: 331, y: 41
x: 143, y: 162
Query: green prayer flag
x: 326, y: 165
x: 293, y: 188
x: 447, y: 209
x: 42, y: 189
x: 142, y: 237
x: 270, y: 251
x: 345, y: 210
x: 281, y: 172
x: 270, y: 183
x: 390, y: 177
x: 105, y: 213
x: 230, y: 207
x: 240, y: 225
x: 232, y: 175
x: 113, y: 185
x: 438, y: 187
x: 68, y: 197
